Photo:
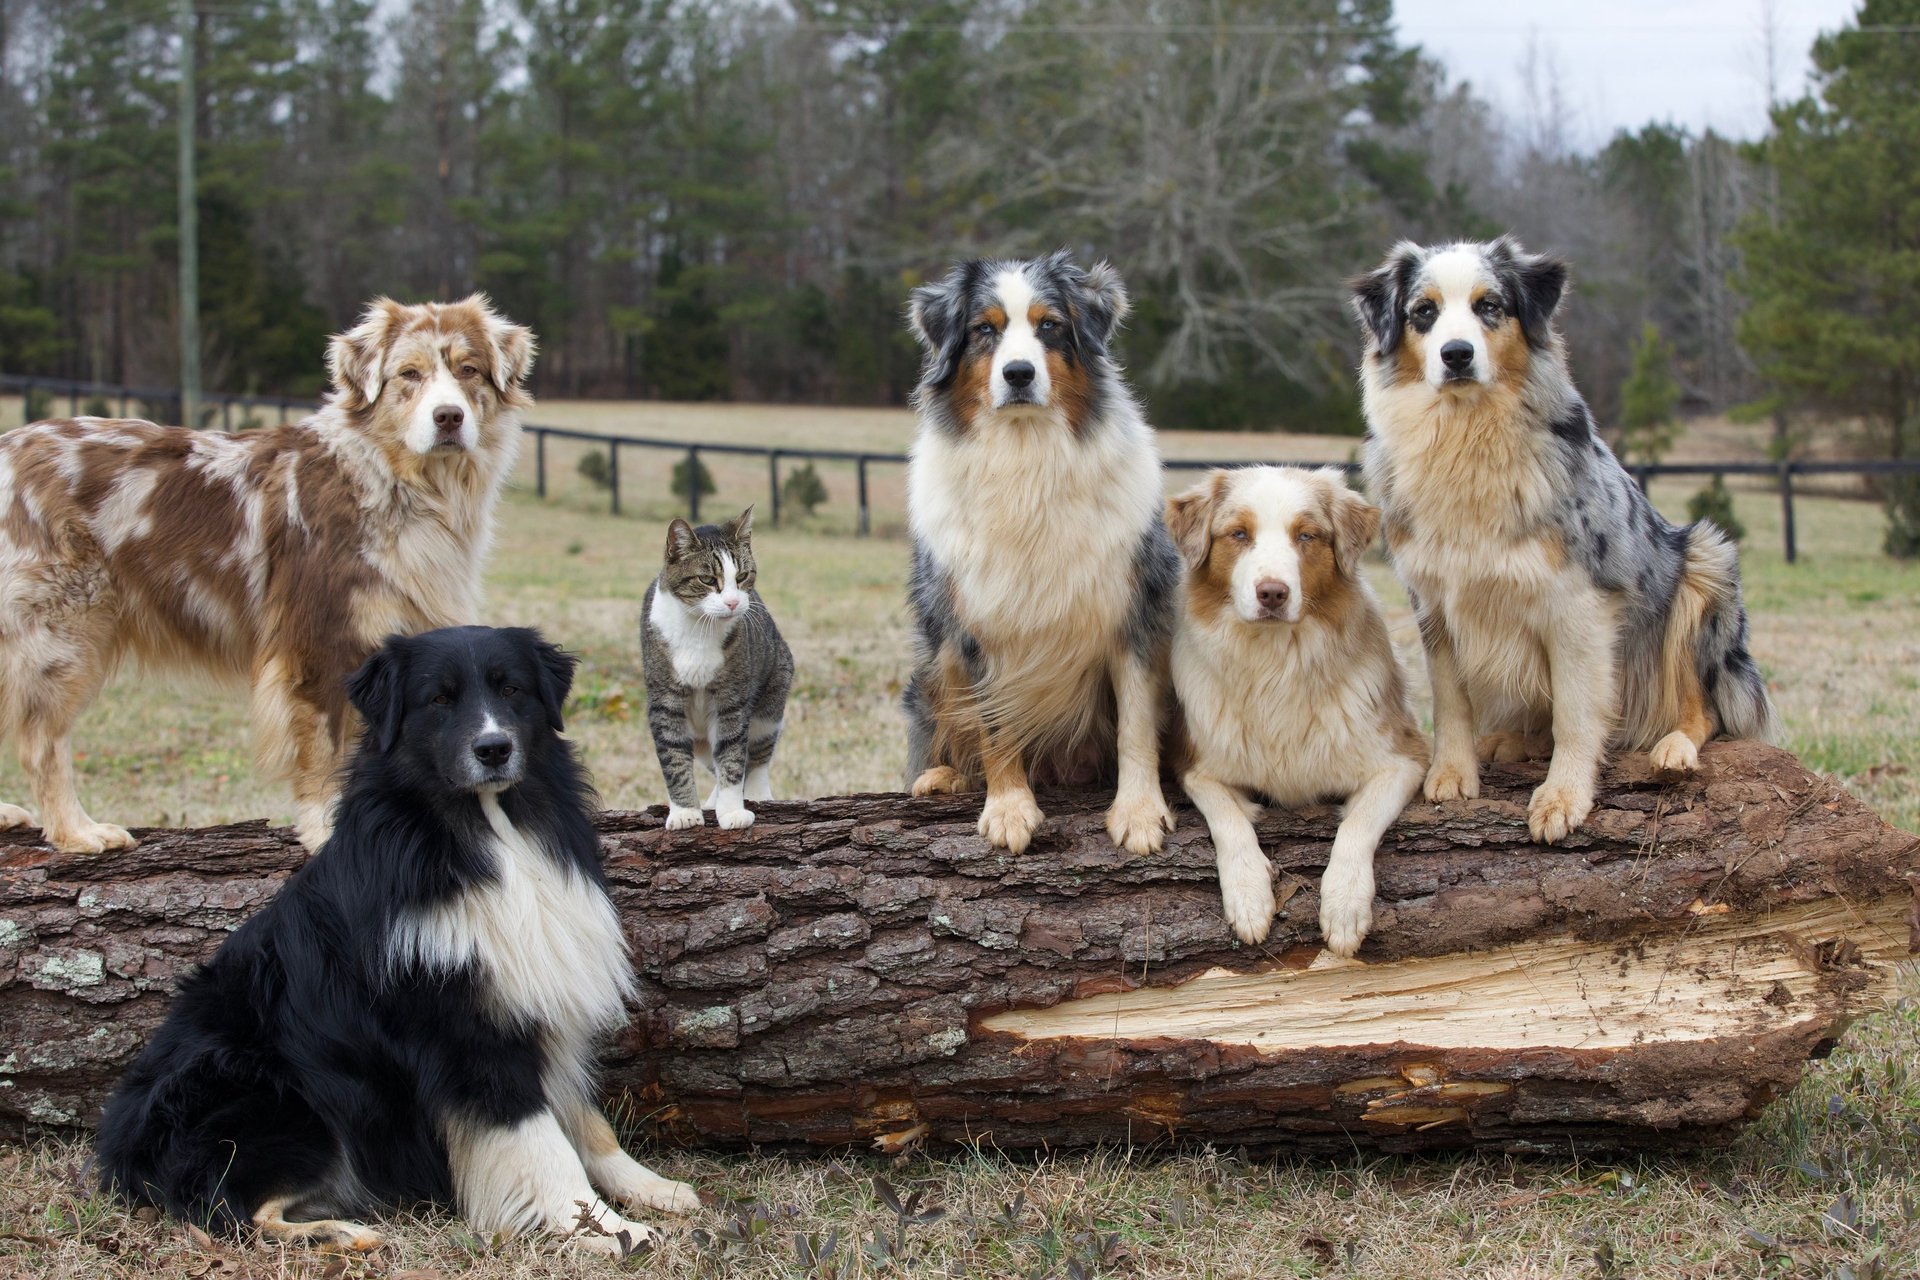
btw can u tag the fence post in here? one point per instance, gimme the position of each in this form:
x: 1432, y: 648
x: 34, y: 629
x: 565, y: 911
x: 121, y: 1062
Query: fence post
x: 540, y: 462
x: 226, y: 415
x: 123, y: 402
x: 283, y: 411
x: 613, y: 472
x: 73, y: 400
x: 773, y: 484
x: 693, y: 485
x: 26, y: 401
x: 1786, y: 509
x: 866, y: 519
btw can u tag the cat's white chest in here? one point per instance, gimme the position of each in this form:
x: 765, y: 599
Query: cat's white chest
x: 697, y: 645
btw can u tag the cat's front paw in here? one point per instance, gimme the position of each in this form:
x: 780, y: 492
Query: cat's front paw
x: 679, y: 819
x: 733, y: 819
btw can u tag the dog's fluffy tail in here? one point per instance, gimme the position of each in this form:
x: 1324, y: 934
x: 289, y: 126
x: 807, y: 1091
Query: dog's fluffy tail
x: 1733, y: 685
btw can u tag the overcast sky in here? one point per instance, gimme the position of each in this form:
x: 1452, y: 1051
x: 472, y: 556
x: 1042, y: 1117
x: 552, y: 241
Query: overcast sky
x: 1623, y: 63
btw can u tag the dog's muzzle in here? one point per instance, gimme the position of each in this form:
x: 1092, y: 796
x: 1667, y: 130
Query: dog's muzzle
x: 1457, y: 358
x: 494, y: 761
x: 1019, y: 376
x: 448, y: 419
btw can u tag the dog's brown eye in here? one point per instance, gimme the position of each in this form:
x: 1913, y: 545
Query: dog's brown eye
x: 469, y: 371
x: 1489, y: 309
x: 442, y: 700
x: 509, y: 691
x: 1424, y: 311
x: 411, y: 375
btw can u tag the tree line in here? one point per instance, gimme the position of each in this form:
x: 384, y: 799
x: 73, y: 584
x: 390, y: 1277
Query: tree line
x: 694, y: 199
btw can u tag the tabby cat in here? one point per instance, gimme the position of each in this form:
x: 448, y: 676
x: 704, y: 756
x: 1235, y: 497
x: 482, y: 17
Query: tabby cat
x: 717, y: 672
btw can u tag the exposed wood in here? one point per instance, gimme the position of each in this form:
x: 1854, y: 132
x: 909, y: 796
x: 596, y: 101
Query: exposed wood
x: 865, y: 969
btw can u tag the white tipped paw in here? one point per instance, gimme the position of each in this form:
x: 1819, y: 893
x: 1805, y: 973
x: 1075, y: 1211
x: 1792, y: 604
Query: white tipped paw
x: 1676, y: 753
x: 648, y: 1190
x: 94, y: 837
x: 12, y: 815
x: 679, y: 819
x: 1346, y: 909
x: 1139, y: 824
x: 1451, y: 780
x: 615, y: 1236
x: 1556, y: 810
x: 1246, y: 895
x: 734, y: 819
x: 1009, y: 819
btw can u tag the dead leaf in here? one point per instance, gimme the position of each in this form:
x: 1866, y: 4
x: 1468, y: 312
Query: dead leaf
x: 1699, y: 908
x: 199, y: 1237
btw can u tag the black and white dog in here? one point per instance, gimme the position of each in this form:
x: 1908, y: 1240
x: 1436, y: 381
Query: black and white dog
x: 414, y: 1016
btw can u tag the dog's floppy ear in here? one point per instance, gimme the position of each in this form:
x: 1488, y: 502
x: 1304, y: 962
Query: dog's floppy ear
x: 1103, y: 308
x: 1356, y: 522
x: 1536, y: 282
x: 680, y: 538
x: 556, y: 676
x: 937, y: 314
x: 514, y: 346
x: 1380, y: 297
x: 378, y: 692
x: 356, y: 359
x: 1190, y: 518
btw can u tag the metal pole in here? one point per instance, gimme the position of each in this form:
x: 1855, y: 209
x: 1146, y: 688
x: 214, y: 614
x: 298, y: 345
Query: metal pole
x: 866, y: 519
x: 613, y: 472
x: 1786, y: 509
x: 773, y: 484
x: 189, y: 230
x: 540, y: 463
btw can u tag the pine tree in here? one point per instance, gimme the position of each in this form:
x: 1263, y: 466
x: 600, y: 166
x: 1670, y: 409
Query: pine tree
x: 1648, y: 399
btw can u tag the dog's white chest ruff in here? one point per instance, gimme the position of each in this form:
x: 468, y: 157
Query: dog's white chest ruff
x: 545, y: 938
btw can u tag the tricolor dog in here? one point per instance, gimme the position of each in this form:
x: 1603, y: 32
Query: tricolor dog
x: 1288, y: 685
x: 416, y: 1015
x: 1042, y: 582
x: 1556, y: 605
x: 279, y: 557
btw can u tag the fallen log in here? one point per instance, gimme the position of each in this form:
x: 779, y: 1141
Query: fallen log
x: 865, y: 970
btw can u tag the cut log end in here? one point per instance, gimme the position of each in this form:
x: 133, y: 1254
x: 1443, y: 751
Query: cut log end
x: 866, y: 970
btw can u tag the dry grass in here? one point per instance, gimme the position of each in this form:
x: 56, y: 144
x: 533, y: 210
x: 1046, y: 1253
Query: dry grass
x: 1826, y: 1179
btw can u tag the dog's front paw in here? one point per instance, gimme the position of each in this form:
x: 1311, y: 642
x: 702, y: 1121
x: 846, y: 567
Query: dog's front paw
x: 648, y: 1190
x: 733, y: 819
x: 679, y: 819
x: 12, y: 815
x: 1246, y: 894
x: 939, y: 781
x: 610, y: 1234
x: 91, y: 837
x: 1676, y: 753
x: 1009, y: 819
x: 1557, y: 809
x: 1139, y: 824
x: 1346, y: 908
x: 1451, y: 780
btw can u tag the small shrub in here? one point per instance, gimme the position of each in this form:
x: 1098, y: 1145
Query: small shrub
x: 803, y: 488
x: 38, y: 404
x: 595, y: 468
x: 1715, y: 504
x: 97, y: 407
x: 1903, y: 516
x: 704, y: 477
x: 250, y: 421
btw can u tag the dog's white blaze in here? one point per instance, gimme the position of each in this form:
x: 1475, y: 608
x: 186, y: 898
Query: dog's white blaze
x: 546, y: 938
x: 442, y: 390
x: 1275, y: 496
x: 1453, y: 274
x: 1019, y: 341
x: 122, y: 515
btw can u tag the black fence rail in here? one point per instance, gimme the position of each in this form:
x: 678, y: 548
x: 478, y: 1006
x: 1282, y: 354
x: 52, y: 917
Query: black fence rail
x: 153, y: 399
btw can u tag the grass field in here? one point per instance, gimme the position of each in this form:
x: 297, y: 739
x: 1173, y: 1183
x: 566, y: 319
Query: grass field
x: 1826, y: 1182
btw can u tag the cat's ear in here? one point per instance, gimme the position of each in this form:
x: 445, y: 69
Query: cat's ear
x: 740, y: 528
x: 679, y: 538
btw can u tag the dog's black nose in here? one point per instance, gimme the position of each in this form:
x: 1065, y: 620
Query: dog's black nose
x: 448, y: 417
x: 1018, y: 373
x: 1272, y: 593
x: 493, y: 749
x: 1457, y: 355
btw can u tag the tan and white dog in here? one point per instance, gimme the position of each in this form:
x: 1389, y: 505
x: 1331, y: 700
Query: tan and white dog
x: 1042, y: 575
x: 281, y: 556
x: 1288, y: 685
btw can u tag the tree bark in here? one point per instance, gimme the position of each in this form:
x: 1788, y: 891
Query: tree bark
x: 865, y: 970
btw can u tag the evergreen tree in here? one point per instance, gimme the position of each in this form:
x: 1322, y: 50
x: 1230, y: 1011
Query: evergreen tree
x: 1648, y: 399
